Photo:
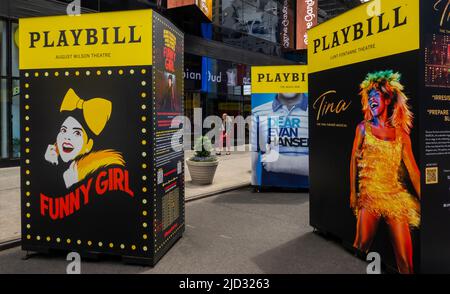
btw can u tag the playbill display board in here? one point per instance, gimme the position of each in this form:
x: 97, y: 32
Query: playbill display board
x: 279, y: 133
x: 100, y: 172
x: 379, y: 132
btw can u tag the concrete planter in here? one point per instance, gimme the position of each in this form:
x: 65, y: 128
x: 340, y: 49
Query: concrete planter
x: 202, y: 172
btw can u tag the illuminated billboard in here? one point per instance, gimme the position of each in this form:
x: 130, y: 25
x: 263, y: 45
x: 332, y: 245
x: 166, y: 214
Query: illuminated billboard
x: 306, y: 19
x: 204, y: 5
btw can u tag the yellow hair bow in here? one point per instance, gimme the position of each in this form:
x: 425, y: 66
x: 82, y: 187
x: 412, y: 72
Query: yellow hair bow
x: 96, y: 111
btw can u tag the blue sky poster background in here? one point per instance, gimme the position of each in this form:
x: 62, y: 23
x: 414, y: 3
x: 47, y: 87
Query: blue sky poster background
x: 259, y: 99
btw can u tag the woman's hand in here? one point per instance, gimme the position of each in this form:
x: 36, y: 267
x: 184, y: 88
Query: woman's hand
x: 51, y: 154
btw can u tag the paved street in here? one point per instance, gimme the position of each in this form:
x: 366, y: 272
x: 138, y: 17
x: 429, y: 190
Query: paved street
x: 234, y: 232
x: 9, y: 203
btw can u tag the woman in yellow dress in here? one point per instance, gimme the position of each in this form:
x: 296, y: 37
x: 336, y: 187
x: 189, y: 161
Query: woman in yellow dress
x: 377, y: 189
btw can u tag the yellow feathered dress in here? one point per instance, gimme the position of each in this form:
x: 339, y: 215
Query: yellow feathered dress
x: 381, y: 191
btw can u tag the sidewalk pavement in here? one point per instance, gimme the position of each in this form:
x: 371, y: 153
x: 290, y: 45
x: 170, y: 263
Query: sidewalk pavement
x: 234, y: 171
x: 9, y: 203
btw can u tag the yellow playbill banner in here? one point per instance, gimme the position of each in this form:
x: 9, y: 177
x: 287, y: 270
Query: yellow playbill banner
x: 280, y: 79
x: 376, y: 29
x: 88, y: 40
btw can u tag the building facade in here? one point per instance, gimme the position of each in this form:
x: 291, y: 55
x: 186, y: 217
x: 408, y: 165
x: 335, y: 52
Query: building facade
x: 220, y: 48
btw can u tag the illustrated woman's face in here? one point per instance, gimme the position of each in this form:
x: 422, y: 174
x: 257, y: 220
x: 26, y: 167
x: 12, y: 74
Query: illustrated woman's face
x: 377, y: 103
x: 70, y: 139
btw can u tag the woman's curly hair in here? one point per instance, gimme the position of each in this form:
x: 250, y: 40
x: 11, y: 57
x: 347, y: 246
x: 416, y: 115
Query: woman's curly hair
x: 388, y: 84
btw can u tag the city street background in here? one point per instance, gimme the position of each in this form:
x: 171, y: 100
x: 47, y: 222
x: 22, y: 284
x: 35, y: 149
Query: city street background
x: 234, y: 232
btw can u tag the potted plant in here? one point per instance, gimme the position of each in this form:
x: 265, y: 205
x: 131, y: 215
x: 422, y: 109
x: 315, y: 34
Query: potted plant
x: 202, y: 166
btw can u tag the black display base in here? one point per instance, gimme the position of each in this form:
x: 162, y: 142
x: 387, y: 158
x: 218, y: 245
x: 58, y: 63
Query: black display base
x: 30, y: 249
x: 90, y: 255
x: 137, y: 260
x: 168, y: 245
x: 33, y: 250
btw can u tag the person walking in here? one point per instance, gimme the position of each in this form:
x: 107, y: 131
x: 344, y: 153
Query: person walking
x: 225, y: 134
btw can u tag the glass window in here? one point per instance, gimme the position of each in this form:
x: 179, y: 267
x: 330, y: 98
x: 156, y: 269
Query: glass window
x: 15, y: 49
x: 15, y: 118
x: 261, y: 21
x: 9, y: 92
x: 3, y: 48
x: 4, y: 119
x: 256, y: 18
